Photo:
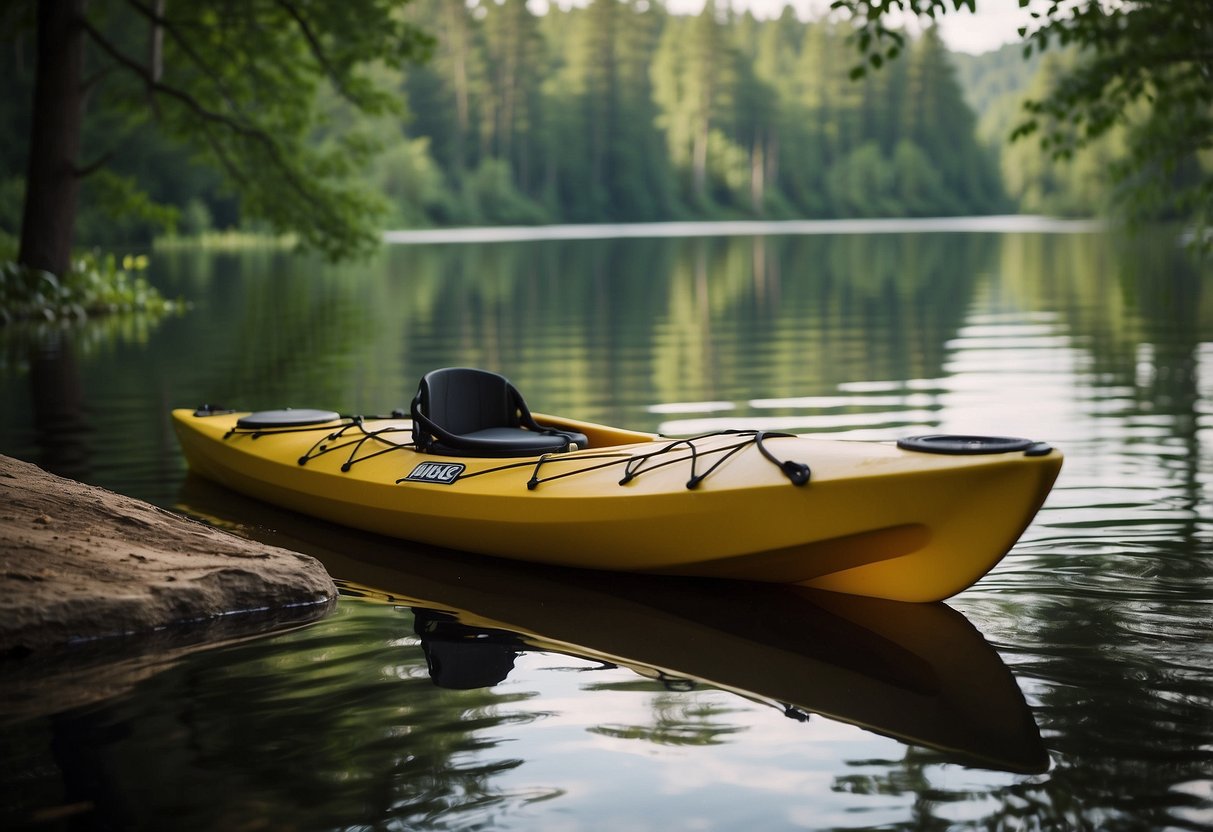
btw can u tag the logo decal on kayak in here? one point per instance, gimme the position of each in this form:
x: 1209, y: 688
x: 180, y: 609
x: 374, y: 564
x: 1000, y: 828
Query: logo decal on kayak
x: 444, y: 473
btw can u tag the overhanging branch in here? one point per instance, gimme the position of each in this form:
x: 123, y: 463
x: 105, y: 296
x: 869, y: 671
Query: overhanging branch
x: 317, y: 50
x: 158, y: 19
x: 206, y: 114
x: 92, y: 167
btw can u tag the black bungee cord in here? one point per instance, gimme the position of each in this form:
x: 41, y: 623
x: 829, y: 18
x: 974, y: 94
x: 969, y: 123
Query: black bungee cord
x: 798, y: 473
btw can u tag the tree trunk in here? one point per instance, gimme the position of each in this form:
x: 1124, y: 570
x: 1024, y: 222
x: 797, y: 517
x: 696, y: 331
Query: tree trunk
x: 757, y: 172
x: 456, y: 32
x: 772, y: 158
x: 52, y: 186
x: 699, y: 159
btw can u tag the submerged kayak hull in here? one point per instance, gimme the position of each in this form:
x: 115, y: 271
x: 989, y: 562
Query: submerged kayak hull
x: 873, y: 519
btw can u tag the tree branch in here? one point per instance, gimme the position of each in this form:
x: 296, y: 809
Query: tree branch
x: 184, y: 43
x: 318, y: 50
x: 88, y: 84
x: 145, y: 74
x: 92, y: 167
x: 255, y: 134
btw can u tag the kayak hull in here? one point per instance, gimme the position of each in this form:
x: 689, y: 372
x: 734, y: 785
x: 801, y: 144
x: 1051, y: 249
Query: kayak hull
x: 873, y: 519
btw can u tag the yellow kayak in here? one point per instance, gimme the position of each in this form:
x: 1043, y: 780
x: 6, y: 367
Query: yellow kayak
x: 919, y: 520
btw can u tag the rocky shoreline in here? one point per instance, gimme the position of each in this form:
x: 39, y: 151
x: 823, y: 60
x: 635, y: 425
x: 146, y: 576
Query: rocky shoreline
x: 81, y: 565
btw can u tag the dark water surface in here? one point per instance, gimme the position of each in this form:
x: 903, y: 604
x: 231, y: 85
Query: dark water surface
x: 1072, y: 688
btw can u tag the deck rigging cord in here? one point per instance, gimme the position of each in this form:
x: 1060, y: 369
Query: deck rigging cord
x: 635, y: 464
x: 336, y: 439
x: 321, y: 446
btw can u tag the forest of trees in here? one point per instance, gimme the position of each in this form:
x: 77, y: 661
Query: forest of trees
x: 618, y: 111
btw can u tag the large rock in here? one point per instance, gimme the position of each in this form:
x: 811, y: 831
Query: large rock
x: 79, y: 563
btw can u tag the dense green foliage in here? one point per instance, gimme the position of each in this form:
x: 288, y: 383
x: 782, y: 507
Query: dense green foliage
x: 619, y: 111
x: 1129, y: 99
x: 187, y: 104
x: 616, y: 111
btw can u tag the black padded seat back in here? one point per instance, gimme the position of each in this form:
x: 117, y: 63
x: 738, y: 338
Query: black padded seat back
x: 465, y: 401
x: 462, y: 411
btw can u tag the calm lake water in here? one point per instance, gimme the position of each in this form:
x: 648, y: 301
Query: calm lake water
x: 1072, y: 688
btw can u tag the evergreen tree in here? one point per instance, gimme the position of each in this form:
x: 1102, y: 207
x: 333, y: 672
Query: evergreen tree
x: 774, y: 61
x: 694, y: 80
x: 515, y: 56
x: 606, y: 159
x: 593, y: 73
x: 642, y: 181
x: 756, y: 112
x: 937, y: 119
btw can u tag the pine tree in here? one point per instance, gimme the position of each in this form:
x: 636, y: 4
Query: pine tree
x: 694, y: 82
x: 514, y: 56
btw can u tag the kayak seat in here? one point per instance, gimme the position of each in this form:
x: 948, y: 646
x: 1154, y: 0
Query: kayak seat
x: 460, y: 411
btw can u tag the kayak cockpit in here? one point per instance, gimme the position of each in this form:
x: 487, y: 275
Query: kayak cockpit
x: 461, y: 411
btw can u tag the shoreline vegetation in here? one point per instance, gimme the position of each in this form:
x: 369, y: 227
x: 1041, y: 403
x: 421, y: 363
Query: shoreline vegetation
x: 97, y: 284
x: 102, y: 284
x: 231, y: 239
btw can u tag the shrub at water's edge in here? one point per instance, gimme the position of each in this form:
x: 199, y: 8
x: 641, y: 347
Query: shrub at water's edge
x: 96, y: 284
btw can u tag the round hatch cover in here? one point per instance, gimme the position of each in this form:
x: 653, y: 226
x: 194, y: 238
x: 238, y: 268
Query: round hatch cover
x: 288, y: 418
x: 947, y: 443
